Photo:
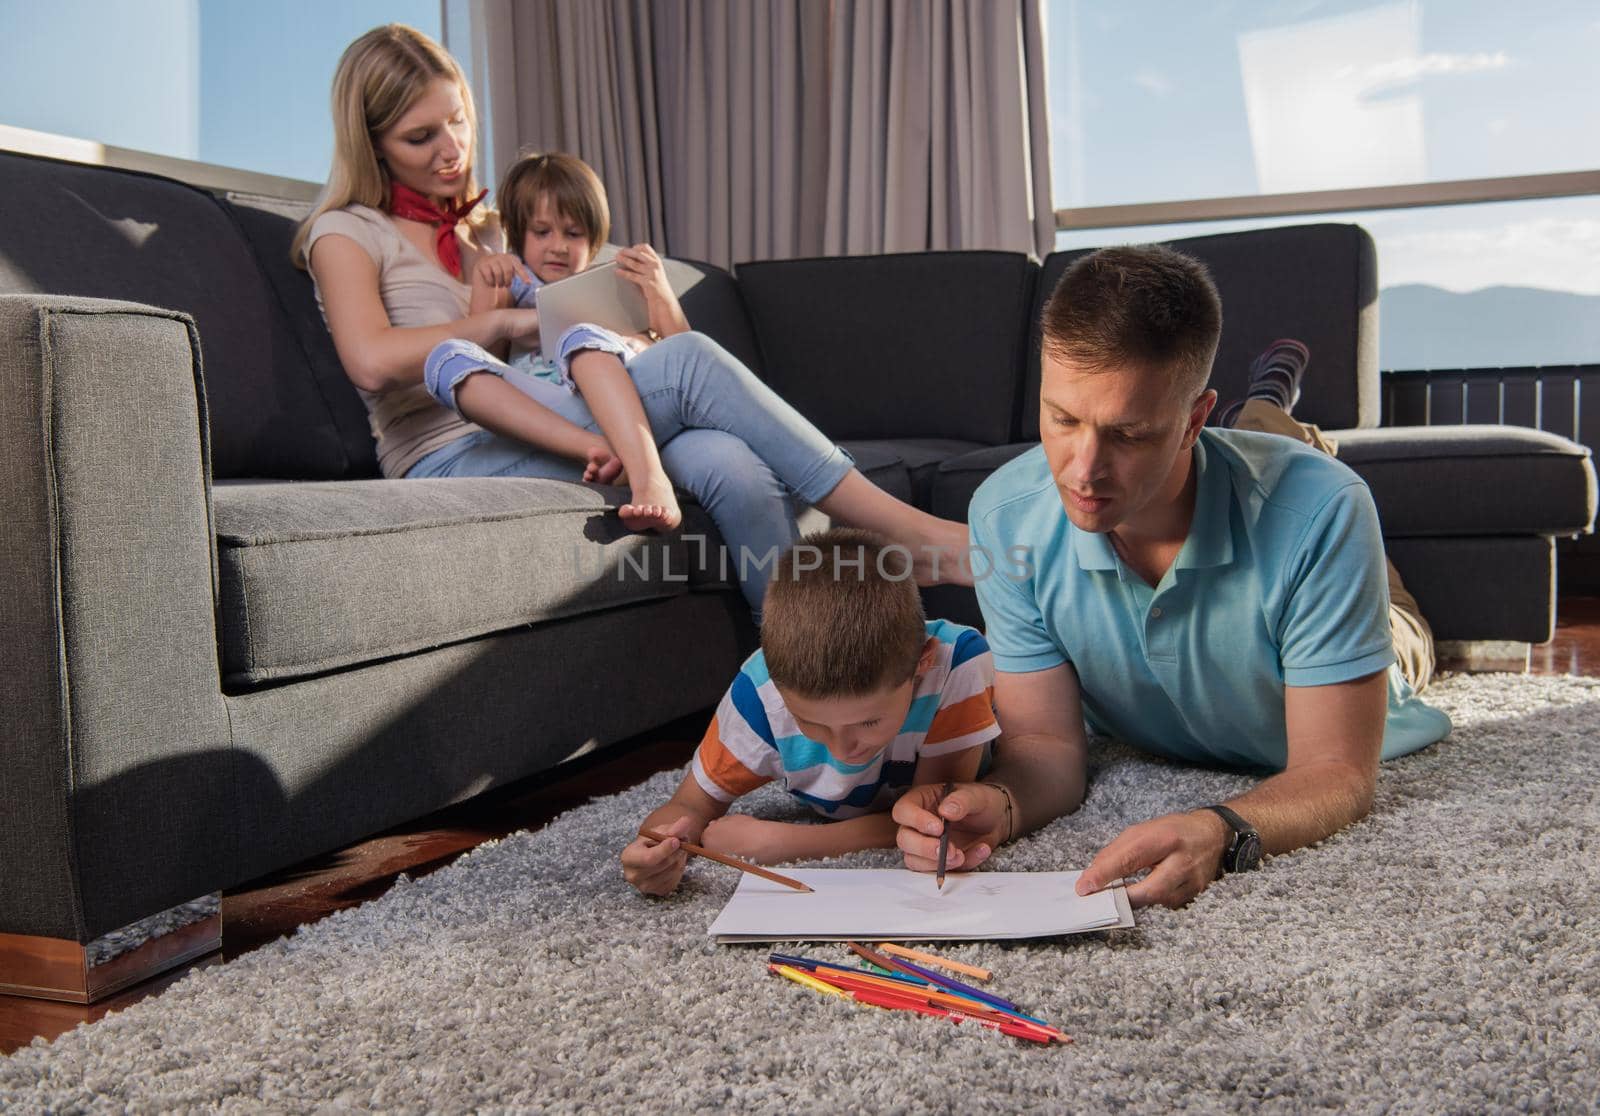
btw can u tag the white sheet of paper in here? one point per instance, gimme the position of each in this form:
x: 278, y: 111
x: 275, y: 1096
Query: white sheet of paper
x: 892, y: 904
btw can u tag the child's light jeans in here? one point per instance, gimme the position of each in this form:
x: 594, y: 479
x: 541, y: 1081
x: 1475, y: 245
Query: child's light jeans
x: 725, y: 437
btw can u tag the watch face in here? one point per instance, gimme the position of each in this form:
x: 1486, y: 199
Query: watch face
x: 1248, y: 855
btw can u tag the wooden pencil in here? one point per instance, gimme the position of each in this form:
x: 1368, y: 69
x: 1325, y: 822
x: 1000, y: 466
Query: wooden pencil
x: 731, y: 861
x: 944, y: 840
x: 934, y: 960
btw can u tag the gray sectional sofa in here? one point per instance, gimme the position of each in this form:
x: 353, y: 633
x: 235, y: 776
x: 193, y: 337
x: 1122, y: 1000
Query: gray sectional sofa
x: 225, y: 645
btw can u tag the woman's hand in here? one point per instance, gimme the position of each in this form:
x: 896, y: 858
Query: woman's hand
x: 491, y: 281
x: 495, y: 270
x: 516, y: 324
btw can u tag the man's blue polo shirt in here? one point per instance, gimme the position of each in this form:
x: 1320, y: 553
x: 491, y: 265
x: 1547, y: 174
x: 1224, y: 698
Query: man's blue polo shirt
x: 1281, y: 582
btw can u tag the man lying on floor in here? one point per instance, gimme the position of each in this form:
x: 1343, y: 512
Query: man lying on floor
x: 1216, y: 596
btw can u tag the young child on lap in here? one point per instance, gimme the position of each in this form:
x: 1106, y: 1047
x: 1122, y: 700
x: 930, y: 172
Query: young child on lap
x: 852, y: 698
x: 556, y: 219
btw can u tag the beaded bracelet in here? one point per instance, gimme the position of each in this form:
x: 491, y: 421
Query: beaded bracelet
x: 1011, y: 827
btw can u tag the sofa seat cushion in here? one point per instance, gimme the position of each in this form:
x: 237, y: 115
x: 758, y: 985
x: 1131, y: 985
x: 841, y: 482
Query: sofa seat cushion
x: 881, y: 464
x: 1472, y: 480
x: 919, y: 457
x: 957, y: 478
x: 320, y: 576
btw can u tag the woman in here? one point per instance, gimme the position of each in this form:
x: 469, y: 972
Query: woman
x: 400, y: 225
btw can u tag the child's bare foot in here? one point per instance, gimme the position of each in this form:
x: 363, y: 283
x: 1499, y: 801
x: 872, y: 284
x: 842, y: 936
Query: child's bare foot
x: 654, y: 507
x: 601, y: 465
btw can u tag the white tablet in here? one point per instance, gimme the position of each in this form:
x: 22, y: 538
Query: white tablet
x: 599, y: 295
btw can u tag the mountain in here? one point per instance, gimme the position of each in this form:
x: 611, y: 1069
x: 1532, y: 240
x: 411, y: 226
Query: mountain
x: 1423, y: 327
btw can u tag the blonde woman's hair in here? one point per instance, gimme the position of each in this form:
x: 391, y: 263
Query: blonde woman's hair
x: 573, y: 188
x: 380, y: 76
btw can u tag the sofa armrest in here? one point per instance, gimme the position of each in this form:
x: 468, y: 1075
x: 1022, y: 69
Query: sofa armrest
x: 116, y: 800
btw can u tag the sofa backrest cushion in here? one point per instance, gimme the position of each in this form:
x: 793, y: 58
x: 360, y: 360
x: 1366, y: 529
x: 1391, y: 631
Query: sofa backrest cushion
x: 921, y: 345
x: 83, y: 230
x: 1318, y: 283
x: 268, y: 226
x: 711, y: 301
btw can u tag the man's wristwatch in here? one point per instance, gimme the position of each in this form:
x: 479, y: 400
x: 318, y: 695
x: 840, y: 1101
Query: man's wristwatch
x: 1244, y: 848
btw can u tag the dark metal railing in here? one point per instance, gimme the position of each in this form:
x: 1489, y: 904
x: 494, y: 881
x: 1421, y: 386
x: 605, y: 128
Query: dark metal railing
x: 1561, y: 399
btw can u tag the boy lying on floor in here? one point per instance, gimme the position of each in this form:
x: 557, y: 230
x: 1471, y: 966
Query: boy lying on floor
x: 852, y: 698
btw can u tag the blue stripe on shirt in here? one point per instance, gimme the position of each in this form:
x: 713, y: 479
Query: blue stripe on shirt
x: 755, y: 668
x: 748, y: 703
x: 969, y: 645
x: 919, y: 718
x: 800, y: 752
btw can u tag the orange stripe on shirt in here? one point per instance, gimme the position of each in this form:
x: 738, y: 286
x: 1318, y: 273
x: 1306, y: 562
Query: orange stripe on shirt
x: 964, y: 717
x: 723, y: 768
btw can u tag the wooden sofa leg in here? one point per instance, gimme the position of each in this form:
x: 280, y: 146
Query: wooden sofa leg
x: 62, y: 969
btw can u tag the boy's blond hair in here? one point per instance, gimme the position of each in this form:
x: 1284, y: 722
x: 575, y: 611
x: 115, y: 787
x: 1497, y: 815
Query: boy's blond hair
x: 842, y: 617
x: 574, y: 190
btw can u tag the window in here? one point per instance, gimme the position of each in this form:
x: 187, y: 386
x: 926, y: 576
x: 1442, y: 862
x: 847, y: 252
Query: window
x: 1172, y: 101
x: 1168, y: 100
x: 228, y: 82
x: 1463, y: 286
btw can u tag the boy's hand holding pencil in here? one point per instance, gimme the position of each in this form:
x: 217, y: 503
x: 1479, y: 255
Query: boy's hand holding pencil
x: 976, y: 817
x: 656, y: 867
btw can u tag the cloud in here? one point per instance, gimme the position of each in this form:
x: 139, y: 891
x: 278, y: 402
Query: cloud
x: 1560, y: 253
x: 1153, y: 81
x: 1378, y: 76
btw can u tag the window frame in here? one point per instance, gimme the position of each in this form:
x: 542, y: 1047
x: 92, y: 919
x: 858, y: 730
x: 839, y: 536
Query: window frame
x: 1464, y: 191
x: 206, y: 176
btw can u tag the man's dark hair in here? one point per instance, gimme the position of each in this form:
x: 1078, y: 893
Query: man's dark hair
x: 1143, y: 305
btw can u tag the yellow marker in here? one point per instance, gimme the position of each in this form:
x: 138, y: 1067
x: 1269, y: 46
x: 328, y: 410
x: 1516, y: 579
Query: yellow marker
x: 808, y: 980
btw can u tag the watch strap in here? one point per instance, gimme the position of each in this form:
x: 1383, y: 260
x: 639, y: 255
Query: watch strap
x: 1241, y: 829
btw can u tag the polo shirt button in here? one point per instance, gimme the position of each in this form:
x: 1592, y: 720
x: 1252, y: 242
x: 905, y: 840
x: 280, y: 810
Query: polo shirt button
x: 1155, y: 613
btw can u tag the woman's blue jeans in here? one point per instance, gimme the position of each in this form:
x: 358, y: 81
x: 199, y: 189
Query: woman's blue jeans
x: 724, y: 436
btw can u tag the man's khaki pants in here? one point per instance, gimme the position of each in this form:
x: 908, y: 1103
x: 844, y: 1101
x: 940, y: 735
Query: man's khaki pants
x: 1413, y: 638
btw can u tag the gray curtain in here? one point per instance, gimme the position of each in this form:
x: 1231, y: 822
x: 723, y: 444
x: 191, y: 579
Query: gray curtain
x: 730, y: 130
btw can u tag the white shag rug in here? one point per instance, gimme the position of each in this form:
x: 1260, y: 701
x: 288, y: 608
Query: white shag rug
x: 1441, y: 956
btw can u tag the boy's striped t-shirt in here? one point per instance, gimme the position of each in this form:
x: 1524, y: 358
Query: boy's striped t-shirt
x: 753, y: 739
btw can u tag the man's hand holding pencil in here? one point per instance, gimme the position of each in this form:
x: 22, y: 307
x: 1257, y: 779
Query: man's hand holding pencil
x: 977, y: 814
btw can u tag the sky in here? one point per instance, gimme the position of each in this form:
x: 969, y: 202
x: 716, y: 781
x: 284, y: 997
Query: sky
x: 1151, y: 100
x: 231, y: 82
x: 1156, y: 100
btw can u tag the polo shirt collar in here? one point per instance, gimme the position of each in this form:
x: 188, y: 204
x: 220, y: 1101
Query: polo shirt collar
x: 1092, y: 551
x: 1210, y: 541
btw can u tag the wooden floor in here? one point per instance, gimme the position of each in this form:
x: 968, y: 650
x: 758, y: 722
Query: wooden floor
x: 267, y: 909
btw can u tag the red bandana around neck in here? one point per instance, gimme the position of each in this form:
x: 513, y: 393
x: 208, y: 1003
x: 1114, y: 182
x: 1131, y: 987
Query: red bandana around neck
x: 406, y: 202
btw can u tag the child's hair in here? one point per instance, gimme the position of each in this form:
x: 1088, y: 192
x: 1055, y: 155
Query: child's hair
x: 573, y: 188
x: 1144, y: 305
x: 842, y: 617
x: 380, y: 76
